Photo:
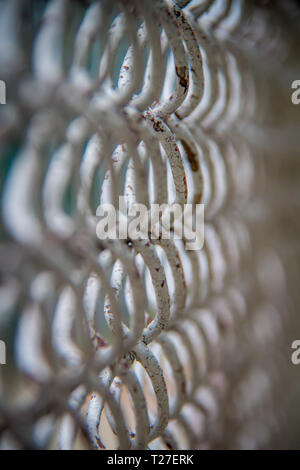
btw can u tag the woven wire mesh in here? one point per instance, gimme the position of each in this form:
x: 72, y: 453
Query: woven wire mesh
x: 141, y: 343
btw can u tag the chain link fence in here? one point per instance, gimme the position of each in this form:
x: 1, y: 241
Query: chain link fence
x: 141, y: 343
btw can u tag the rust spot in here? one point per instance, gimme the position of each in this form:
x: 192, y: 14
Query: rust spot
x: 125, y: 67
x: 169, y: 446
x: 183, y: 78
x: 162, y: 284
x: 185, y: 186
x: 99, y: 442
x: 192, y: 156
x: 100, y: 341
x: 157, y: 126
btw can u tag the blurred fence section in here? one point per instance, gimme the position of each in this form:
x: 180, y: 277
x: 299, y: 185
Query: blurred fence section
x: 142, y: 343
